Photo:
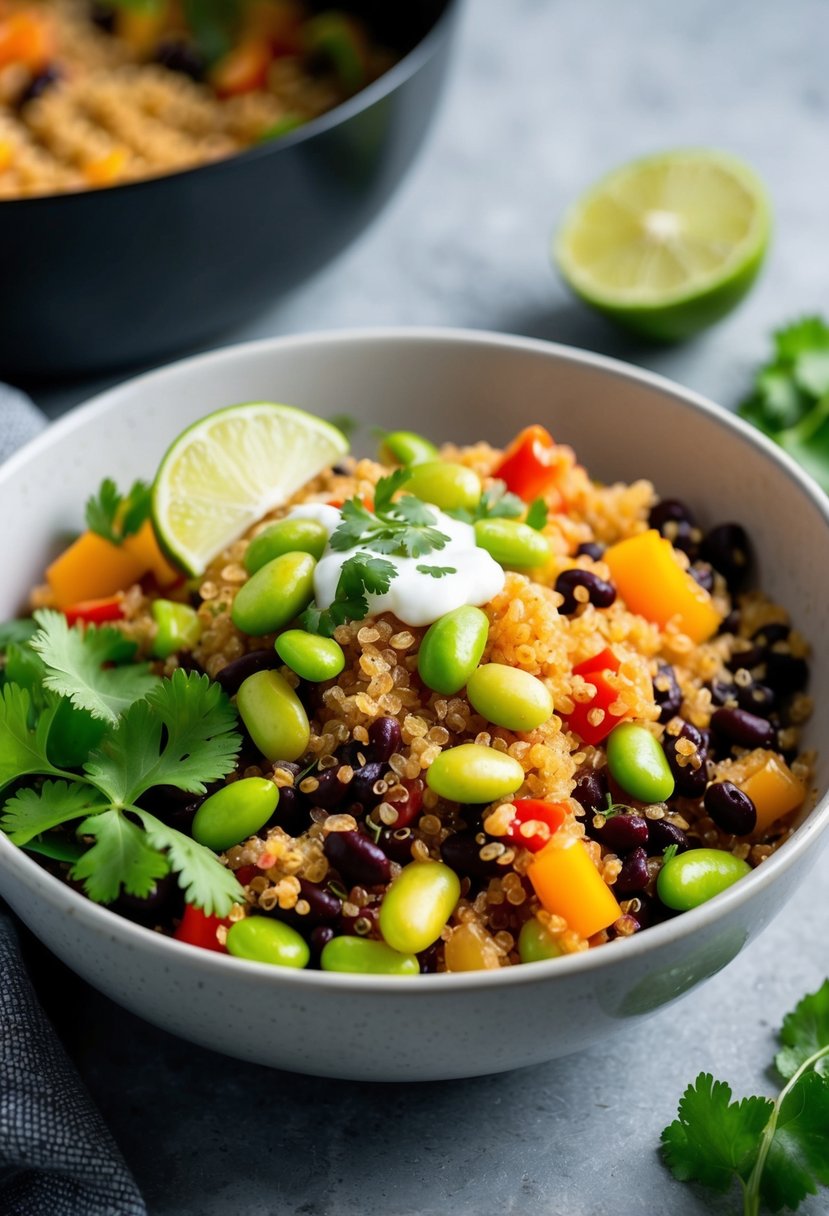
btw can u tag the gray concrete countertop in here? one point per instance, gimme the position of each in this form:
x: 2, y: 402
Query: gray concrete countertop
x: 546, y: 95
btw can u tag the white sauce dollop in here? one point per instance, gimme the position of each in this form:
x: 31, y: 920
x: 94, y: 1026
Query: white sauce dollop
x: 414, y: 598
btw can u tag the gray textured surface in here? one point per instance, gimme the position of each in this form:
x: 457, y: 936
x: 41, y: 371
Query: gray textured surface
x: 546, y: 95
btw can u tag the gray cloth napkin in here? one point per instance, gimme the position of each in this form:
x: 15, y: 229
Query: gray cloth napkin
x: 57, y: 1157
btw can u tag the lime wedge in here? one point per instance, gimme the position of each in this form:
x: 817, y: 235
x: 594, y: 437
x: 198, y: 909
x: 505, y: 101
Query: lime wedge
x: 669, y: 244
x: 230, y: 468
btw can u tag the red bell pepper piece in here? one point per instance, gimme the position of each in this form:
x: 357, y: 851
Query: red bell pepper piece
x: 548, y: 816
x: 245, y: 873
x: 594, y: 670
x: 532, y: 464
x: 199, y: 929
x: 94, y: 612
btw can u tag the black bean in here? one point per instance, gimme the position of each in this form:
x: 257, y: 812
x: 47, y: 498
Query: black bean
x: 642, y: 910
x: 702, y: 574
x: 746, y: 659
x: 428, y: 960
x: 462, y: 853
x: 756, y: 698
x: 767, y: 635
x: 731, y: 809
x: 666, y: 692
x: 151, y: 906
x: 318, y: 939
x: 633, y: 875
x: 690, y: 780
x: 723, y: 691
x: 621, y: 833
x: 592, y: 549
x: 361, y: 924
x: 40, y: 84
x: 292, y: 814
x: 728, y: 550
x: 178, y: 55
x: 384, y: 738
x: 234, y: 673
x: 397, y: 843
x: 361, y: 785
x: 786, y: 673
x: 670, y: 510
x: 330, y: 791
x: 731, y: 622
x: 742, y: 729
x: 102, y: 15
x: 591, y: 790
x: 600, y: 592
x: 662, y: 834
x: 357, y: 858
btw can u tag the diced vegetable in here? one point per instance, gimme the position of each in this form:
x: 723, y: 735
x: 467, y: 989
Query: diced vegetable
x: 652, y: 583
x: 569, y: 885
x: 93, y: 568
x: 95, y: 612
x: 178, y: 627
x: 532, y: 465
x: 26, y: 39
x: 243, y: 69
x: 199, y: 929
x: 535, y: 822
x: 774, y: 790
x: 144, y: 545
x: 589, y: 725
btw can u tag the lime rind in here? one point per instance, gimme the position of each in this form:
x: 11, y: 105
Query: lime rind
x: 230, y: 468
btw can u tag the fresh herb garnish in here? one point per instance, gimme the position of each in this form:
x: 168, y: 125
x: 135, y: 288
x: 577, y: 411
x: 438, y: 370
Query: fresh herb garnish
x: 115, y: 516
x: 436, y: 571
x: 790, y: 398
x: 494, y: 503
x: 537, y: 514
x: 405, y: 527
x: 778, y: 1150
x: 146, y: 732
x: 360, y: 576
x: 669, y: 853
x: 343, y: 422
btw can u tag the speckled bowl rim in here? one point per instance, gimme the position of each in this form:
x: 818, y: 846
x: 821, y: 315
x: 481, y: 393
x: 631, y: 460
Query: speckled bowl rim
x: 806, y: 836
x: 389, y: 82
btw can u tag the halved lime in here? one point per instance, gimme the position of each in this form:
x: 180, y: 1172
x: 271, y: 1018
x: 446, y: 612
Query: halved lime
x: 227, y: 470
x: 669, y: 244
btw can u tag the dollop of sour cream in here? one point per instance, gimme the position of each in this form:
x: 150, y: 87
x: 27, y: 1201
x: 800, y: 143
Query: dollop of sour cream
x: 414, y: 597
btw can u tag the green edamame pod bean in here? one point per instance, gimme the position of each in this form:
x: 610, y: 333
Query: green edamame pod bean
x: 474, y: 773
x: 638, y: 763
x: 509, y: 697
x: 234, y: 813
x: 418, y: 904
x: 312, y: 657
x: 451, y: 649
x: 286, y: 536
x: 445, y: 485
x: 361, y: 957
x: 514, y: 545
x: 275, y: 594
x: 179, y: 627
x: 690, y: 879
x: 273, y: 715
x: 267, y: 941
x: 535, y: 944
x: 405, y: 447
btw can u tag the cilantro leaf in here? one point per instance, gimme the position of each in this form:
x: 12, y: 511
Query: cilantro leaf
x: 494, y: 503
x: 809, y: 333
x: 805, y: 1031
x: 537, y: 514
x: 23, y: 750
x: 32, y: 811
x: 436, y: 571
x: 387, y: 487
x: 199, y: 743
x: 798, y: 1155
x: 714, y: 1138
x: 75, y: 659
x: 405, y: 527
x: 17, y: 631
x: 205, y: 881
x: 122, y: 856
x: 115, y: 516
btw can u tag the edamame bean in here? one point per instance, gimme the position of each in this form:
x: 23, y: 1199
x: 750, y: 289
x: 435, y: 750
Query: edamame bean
x: 446, y: 485
x: 636, y: 760
x: 406, y: 447
x: 179, y: 627
x: 273, y: 715
x: 509, y: 697
x: 514, y: 545
x: 451, y: 649
x: 359, y: 956
x: 286, y: 536
x: 689, y: 879
x: 474, y: 773
x: 418, y: 904
x: 310, y: 656
x: 234, y: 813
x: 535, y: 944
x: 267, y: 941
x: 275, y: 594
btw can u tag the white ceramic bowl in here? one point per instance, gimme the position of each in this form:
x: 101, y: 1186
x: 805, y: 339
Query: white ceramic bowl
x: 624, y: 424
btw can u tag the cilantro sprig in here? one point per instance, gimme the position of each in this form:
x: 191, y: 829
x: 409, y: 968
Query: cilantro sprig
x: 404, y: 527
x: 115, y: 516
x: 790, y: 397
x: 496, y: 502
x: 147, y: 732
x: 776, y: 1149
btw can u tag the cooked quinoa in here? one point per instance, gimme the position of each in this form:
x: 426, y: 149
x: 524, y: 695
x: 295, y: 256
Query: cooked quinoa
x: 96, y: 94
x: 528, y: 630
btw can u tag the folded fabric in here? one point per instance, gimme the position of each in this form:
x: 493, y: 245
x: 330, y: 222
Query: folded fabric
x: 57, y: 1157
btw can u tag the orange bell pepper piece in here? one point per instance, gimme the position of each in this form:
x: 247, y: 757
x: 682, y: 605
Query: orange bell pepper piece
x: 6, y: 154
x: 242, y: 70
x: 774, y: 790
x: 568, y: 884
x: 652, y: 583
x: 144, y: 546
x: 106, y: 170
x: 91, y: 569
x: 26, y: 38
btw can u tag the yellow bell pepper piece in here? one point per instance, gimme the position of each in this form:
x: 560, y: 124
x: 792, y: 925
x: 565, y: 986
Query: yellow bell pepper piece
x: 569, y: 885
x: 652, y: 583
x: 774, y: 790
